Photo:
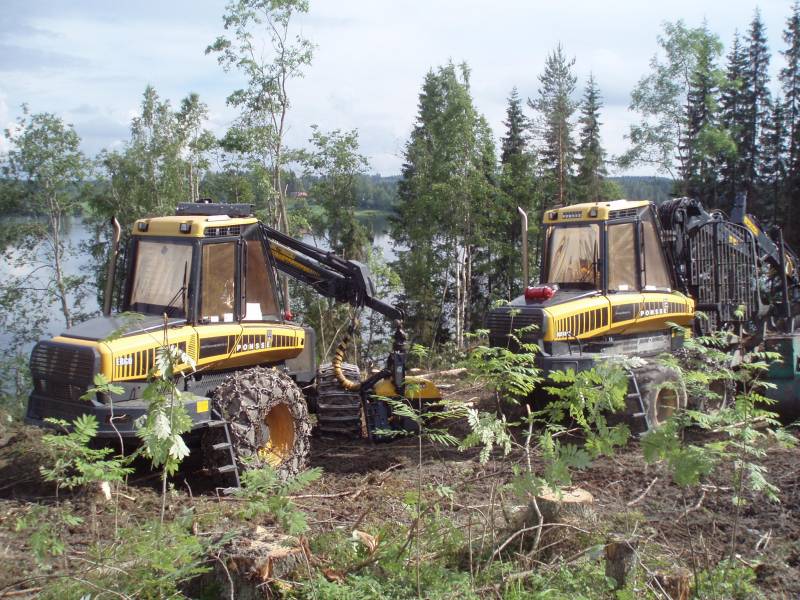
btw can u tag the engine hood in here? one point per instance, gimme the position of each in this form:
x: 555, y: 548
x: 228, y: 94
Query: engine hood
x: 103, y: 328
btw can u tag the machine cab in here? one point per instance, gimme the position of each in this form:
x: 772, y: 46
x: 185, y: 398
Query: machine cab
x: 202, y: 268
x: 608, y: 246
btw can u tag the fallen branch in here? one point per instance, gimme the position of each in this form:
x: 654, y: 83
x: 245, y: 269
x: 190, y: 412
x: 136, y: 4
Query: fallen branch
x: 641, y: 496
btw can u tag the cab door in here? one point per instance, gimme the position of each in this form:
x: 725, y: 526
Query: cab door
x: 622, y: 281
x: 218, y: 305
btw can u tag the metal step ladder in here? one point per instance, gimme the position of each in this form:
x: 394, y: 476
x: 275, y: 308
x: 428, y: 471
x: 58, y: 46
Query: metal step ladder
x: 636, y: 395
x: 228, y: 466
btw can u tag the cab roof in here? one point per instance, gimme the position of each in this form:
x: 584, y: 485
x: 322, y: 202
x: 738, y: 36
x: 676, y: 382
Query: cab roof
x: 596, y: 211
x: 194, y: 226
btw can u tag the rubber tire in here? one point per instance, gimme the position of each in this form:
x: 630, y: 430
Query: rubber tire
x: 653, y: 383
x: 338, y: 410
x: 244, y: 399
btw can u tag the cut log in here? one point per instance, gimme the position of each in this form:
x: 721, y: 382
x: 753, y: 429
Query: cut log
x: 254, y: 559
x: 619, y: 560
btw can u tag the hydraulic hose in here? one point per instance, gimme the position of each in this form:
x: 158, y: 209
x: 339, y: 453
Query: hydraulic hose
x: 338, y: 359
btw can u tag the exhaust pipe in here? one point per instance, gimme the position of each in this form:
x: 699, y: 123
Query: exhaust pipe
x: 112, y: 267
x: 525, y: 279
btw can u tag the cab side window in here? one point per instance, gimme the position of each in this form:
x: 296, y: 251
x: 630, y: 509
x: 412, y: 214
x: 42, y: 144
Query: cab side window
x: 218, y: 283
x: 656, y: 276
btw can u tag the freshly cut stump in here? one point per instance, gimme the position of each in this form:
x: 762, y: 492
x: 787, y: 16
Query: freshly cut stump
x: 663, y: 393
x: 563, y: 513
x: 338, y: 410
x: 254, y: 560
x: 268, y: 420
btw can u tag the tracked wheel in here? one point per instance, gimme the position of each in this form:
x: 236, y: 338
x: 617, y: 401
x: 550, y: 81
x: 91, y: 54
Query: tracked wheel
x: 663, y: 393
x: 267, y: 419
x: 338, y: 410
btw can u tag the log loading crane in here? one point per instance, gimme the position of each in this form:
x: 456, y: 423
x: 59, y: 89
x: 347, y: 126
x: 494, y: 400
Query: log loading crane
x: 615, y: 276
x: 204, y: 280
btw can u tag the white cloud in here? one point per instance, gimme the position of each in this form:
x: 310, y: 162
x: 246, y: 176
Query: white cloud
x: 369, y: 65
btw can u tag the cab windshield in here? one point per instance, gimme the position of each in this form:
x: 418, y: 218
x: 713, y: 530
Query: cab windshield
x: 572, y: 256
x: 161, y: 277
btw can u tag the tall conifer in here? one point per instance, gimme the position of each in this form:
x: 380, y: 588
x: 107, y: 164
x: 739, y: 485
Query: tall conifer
x: 591, y: 155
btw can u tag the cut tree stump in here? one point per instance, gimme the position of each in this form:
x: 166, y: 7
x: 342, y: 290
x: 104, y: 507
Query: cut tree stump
x: 619, y: 560
x: 563, y: 512
x: 255, y: 559
x: 676, y: 584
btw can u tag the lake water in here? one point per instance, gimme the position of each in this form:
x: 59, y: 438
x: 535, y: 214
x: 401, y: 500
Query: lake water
x: 76, y: 232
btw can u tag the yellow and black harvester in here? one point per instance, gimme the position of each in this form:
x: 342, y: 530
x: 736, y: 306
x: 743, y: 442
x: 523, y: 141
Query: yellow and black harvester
x: 204, y: 281
x: 616, y: 275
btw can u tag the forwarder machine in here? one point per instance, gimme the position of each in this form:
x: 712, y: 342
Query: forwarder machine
x: 616, y: 275
x: 204, y: 280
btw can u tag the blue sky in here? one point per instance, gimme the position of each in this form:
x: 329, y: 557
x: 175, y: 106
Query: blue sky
x: 89, y: 60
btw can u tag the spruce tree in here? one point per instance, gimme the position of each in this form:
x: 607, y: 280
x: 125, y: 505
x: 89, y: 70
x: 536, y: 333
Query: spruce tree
x: 790, y: 82
x: 556, y: 106
x: 772, y: 164
x: 733, y: 119
x: 517, y: 189
x: 704, y: 141
x: 756, y: 104
x: 591, y: 155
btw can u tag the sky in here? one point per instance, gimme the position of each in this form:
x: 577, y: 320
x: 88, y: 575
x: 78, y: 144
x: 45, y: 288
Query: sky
x: 88, y: 61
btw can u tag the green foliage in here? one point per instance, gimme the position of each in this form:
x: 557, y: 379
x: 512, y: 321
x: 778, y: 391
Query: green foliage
x: 511, y: 375
x: 556, y: 105
x: 335, y: 162
x: 388, y: 571
x: 727, y: 580
x: 259, y: 44
x: 45, y: 161
x: 444, y: 195
x: 661, y: 97
x: 264, y: 493
x: 149, y: 560
x: 47, y: 529
x: 592, y: 156
x: 71, y: 462
x: 487, y: 431
x: 744, y: 437
x: 586, y: 398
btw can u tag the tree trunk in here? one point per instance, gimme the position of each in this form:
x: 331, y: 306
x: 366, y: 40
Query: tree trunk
x: 55, y: 238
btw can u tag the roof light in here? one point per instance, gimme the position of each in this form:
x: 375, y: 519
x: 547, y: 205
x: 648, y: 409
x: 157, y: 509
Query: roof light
x: 593, y: 212
x: 553, y: 215
x: 143, y: 225
x: 185, y: 228
x: 539, y: 292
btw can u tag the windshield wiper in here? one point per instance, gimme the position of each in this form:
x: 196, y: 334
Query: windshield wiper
x: 180, y: 293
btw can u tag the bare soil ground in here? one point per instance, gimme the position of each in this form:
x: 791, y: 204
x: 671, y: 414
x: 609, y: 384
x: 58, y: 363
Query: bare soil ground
x: 364, y: 485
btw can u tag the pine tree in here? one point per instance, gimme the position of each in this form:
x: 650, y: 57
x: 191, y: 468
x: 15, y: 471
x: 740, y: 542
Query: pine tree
x: 790, y: 82
x: 592, y: 157
x: 556, y: 107
x: 733, y: 119
x: 756, y: 97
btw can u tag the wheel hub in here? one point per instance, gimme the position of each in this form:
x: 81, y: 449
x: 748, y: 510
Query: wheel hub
x: 278, y: 431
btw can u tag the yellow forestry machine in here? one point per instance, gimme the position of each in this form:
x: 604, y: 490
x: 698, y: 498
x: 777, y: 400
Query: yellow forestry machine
x: 614, y: 275
x: 204, y: 280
